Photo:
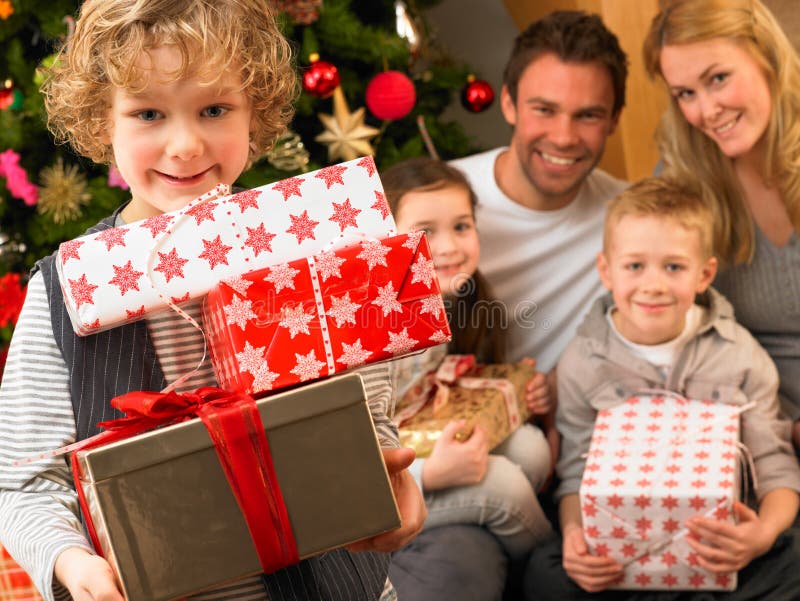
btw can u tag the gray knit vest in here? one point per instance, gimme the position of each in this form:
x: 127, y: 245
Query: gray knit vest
x: 123, y: 359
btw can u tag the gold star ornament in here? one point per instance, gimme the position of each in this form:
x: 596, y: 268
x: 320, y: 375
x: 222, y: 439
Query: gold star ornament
x: 346, y: 135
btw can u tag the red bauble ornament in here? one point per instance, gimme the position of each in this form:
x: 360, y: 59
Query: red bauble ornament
x: 390, y: 95
x: 477, y: 95
x: 321, y: 78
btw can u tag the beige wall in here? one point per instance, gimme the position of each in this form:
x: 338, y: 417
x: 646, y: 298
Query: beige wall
x: 631, y: 152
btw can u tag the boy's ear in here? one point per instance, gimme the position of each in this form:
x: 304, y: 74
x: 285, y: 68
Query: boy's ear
x: 707, y: 275
x: 507, y: 106
x: 603, y: 269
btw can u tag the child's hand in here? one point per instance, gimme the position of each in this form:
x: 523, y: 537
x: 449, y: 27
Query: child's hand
x: 729, y: 547
x: 538, y: 395
x: 591, y: 573
x: 409, y: 502
x: 456, y: 463
x: 87, y: 577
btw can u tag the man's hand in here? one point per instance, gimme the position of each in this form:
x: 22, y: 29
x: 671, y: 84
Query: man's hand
x: 591, y: 573
x: 456, y: 463
x: 87, y: 577
x: 409, y: 502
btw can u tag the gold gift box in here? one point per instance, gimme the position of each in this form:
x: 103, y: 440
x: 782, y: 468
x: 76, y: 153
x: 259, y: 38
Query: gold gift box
x: 477, y: 406
x: 170, y: 525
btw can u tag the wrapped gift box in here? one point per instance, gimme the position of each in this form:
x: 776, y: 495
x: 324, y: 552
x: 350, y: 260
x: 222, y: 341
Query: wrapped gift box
x: 121, y: 274
x: 170, y: 525
x: 303, y: 320
x: 492, y: 396
x: 654, y: 462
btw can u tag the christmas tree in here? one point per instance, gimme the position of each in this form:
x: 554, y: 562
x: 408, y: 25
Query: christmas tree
x: 352, y: 55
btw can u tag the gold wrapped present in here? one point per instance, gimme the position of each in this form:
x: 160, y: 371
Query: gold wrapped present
x: 169, y: 523
x: 492, y: 396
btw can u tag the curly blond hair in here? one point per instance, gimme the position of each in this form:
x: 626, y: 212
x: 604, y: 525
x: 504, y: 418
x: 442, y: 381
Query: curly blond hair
x: 691, y: 155
x: 212, y: 36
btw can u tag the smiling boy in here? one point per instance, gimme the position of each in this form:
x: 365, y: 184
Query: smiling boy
x: 663, y: 327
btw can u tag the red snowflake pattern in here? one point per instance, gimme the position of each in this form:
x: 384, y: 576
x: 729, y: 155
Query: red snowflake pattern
x: 126, y: 277
x: 203, y: 211
x: 112, y: 237
x: 170, y: 264
x: 246, y: 200
x: 157, y: 224
x: 400, y: 343
x: 216, y: 252
x: 295, y: 319
x: 69, y: 250
x: 345, y: 214
x: 669, y: 580
x: 289, y: 187
x: 302, y: 227
x: 423, y: 271
x: 343, y: 310
x: 135, y: 314
x: 374, y: 253
x: 82, y: 291
x: 331, y: 175
x: 368, y: 163
x: 259, y: 239
x: 307, y: 366
x: 381, y: 205
x: 328, y: 264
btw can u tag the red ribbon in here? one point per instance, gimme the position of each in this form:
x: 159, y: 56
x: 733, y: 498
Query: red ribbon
x: 235, y: 427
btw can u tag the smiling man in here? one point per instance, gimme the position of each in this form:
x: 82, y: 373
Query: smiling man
x: 541, y: 200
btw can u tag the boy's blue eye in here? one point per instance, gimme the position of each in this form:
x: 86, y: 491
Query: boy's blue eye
x: 463, y: 226
x: 633, y: 266
x: 214, y: 111
x: 148, y: 115
x: 674, y: 267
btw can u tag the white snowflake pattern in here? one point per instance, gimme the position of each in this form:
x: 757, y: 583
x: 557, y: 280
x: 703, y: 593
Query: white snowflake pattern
x: 328, y: 264
x: 413, y: 240
x: 295, y: 319
x: 400, y: 343
x: 282, y: 276
x: 343, y: 310
x: 439, y: 337
x: 307, y: 367
x: 238, y: 283
x: 387, y: 299
x: 251, y: 359
x: 264, y: 378
x: 353, y: 354
x: 374, y: 253
x: 239, y: 312
x: 432, y: 304
x: 423, y: 271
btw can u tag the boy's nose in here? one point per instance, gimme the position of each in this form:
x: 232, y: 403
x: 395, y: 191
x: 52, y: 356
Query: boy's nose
x: 184, y: 143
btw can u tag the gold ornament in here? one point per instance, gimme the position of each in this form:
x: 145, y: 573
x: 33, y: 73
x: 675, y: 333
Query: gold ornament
x: 289, y: 153
x: 345, y: 134
x: 63, y: 192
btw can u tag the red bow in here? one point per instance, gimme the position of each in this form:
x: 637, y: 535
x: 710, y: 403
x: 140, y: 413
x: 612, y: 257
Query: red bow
x: 236, y: 429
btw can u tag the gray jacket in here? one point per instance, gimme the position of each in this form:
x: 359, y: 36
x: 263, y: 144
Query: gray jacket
x: 721, y: 362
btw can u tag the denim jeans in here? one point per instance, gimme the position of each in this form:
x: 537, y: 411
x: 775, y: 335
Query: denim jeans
x: 505, y: 500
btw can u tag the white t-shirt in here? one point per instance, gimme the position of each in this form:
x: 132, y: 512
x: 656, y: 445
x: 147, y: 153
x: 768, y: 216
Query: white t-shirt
x: 541, y: 264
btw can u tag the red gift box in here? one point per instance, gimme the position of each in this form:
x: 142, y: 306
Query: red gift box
x: 15, y: 584
x: 337, y: 310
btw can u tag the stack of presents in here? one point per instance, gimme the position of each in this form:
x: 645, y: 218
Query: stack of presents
x: 302, y: 280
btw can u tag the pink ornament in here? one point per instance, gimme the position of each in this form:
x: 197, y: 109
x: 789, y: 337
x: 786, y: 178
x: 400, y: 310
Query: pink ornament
x: 390, y: 95
x: 16, y: 178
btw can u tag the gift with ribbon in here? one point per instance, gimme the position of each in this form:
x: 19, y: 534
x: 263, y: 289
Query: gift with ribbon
x: 492, y: 396
x: 192, y: 490
x: 323, y: 314
x: 121, y: 274
x: 655, y: 461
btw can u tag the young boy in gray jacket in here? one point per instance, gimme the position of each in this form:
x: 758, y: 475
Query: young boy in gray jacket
x: 663, y: 327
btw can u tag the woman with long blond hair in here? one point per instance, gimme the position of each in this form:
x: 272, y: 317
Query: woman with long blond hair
x: 732, y: 129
